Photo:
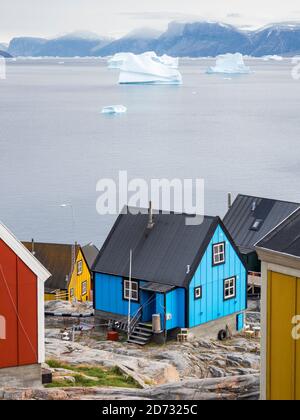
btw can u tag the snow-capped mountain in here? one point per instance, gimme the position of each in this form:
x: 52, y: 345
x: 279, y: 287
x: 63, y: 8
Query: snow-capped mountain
x: 279, y: 39
x: 195, y: 39
x: 25, y: 46
x: 70, y: 45
x: 200, y: 39
x: 137, y: 42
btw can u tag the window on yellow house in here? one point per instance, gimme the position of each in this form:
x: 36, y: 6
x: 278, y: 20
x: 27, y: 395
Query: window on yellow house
x: 84, y: 288
x: 79, y: 268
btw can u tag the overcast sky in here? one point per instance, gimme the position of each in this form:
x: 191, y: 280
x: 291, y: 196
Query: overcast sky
x: 49, y: 18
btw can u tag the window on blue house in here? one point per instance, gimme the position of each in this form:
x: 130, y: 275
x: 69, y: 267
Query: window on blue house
x: 219, y: 253
x: 198, y: 293
x: 230, y: 288
x: 131, y: 291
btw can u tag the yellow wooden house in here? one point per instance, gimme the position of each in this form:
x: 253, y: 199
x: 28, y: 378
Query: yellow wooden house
x: 80, y: 283
x: 70, y: 266
x: 279, y: 252
x: 80, y: 286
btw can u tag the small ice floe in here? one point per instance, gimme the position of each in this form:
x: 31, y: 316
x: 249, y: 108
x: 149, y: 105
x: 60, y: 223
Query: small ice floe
x: 272, y: 58
x: 114, y: 109
x: 229, y: 64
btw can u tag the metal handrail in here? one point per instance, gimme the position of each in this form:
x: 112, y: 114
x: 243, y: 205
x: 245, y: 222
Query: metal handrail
x: 135, y: 320
x: 137, y: 317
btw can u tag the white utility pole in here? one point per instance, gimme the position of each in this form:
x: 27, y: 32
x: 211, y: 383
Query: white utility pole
x: 130, y: 292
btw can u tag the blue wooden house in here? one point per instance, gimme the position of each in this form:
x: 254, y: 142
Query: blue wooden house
x: 191, y: 276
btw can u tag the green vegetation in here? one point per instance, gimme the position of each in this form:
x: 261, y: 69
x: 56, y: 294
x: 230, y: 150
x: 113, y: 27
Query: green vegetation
x: 91, y: 376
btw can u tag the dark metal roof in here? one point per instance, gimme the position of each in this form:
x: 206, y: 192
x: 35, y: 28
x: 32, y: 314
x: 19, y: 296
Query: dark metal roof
x: 57, y: 258
x: 246, y: 210
x: 166, y: 254
x: 156, y: 287
x: 90, y: 253
x: 285, y: 238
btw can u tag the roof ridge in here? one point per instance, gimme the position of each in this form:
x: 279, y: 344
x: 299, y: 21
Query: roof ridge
x: 166, y: 212
x: 267, y: 198
x: 277, y: 229
x: 51, y: 243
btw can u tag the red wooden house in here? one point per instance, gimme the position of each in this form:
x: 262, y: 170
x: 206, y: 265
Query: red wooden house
x: 22, y: 280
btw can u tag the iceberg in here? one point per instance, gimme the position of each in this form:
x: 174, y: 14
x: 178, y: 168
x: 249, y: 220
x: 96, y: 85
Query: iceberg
x: 229, y: 64
x: 114, y: 109
x: 172, y: 62
x: 119, y: 59
x: 143, y: 69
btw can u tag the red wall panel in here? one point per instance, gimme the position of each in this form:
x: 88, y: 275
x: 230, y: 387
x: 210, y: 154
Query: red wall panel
x: 8, y: 303
x: 27, y: 309
x: 18, y: 304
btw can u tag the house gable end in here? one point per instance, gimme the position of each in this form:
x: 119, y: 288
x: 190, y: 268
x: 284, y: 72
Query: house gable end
x: 211, y: 278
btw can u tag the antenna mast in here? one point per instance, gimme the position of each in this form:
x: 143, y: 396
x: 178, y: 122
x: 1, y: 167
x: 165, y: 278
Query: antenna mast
x: 130, y: 292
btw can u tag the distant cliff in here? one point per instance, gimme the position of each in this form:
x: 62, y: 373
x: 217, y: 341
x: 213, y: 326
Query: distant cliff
x: 4, y: 54
x: 71, y: 45
x: 198, y: 39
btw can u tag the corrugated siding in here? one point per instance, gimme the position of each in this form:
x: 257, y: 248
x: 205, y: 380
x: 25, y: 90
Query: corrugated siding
x: 175, y: 305
x: 109, y: 295
x: 240, y: 321
x: 18, y: 306
x: 283, y: 354
x: 27, y: 311
x: 8, y: 302
x: 148, y: 303
x: 160, y: 307
x: 109, y: 298
x: 212, y: 304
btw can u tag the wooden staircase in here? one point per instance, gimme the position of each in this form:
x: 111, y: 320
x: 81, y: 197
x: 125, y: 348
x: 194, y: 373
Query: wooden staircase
x: 141, y: 334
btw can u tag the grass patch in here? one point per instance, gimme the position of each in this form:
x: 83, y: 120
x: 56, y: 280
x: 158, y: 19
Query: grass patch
x: 99, y: 377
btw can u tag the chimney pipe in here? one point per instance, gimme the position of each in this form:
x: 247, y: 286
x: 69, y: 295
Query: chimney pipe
x: 32, y: 247
x: 150, y: 220
x: 229, y: 200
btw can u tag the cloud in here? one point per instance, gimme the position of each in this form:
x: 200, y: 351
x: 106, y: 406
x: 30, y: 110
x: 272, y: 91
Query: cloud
x: 160, y: 15
x: 234, y: 15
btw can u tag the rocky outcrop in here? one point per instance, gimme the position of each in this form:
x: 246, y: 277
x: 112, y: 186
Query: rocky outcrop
x: 231, y: 388
x: 159, y: 365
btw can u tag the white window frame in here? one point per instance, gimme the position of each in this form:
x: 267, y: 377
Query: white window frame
x: 198, y: 293
x: 84, y: 286
x: 219, y: 251
x: 230, y: 287
x: 134, y: 290
x: 79, y: 270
